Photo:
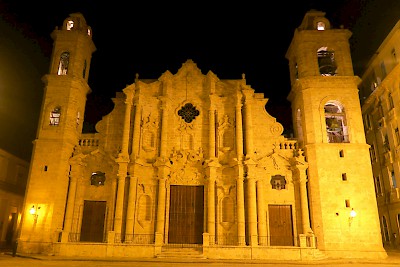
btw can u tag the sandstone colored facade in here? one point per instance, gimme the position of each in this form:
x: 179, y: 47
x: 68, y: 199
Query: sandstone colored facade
x: 380, y: 107
x: 190, y: 162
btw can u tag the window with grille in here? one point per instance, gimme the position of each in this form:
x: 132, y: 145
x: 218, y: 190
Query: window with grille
x: 55, y: 115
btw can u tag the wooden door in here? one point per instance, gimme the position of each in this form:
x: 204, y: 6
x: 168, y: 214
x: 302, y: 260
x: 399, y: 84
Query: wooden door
x: 10, y: 229
x: 94, y: 213
x: 186, y: 214
x: 280, y: 225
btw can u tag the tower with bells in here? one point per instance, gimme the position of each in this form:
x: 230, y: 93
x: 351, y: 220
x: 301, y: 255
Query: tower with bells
x: 328, y: 125
x: 60, y: 125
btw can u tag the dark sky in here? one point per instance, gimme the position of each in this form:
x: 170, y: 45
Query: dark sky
x: 229, y: 39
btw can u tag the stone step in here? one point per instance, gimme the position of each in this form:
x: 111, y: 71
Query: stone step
x: 175, y: 252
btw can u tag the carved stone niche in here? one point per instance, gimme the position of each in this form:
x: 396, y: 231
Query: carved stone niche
x: 278, y: 182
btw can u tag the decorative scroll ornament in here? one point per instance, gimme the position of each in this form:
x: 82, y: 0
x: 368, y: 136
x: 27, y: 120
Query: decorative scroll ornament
x: 188, y: 112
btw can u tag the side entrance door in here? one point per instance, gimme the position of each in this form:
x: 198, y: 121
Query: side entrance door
x: 186, y: 214
x: 94, y: 213
x: 280, y: 225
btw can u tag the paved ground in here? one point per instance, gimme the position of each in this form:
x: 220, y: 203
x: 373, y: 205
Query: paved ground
x: 8, y: 260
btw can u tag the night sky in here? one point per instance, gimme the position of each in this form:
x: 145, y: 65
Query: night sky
x: 150, y: 38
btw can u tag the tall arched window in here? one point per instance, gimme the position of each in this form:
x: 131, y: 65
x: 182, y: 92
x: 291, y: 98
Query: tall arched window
x: 63, y: 65
x: 335, y: 120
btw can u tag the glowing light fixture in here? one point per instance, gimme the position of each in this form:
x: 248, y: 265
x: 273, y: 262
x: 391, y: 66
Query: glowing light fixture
x: 34, y: 212
x: 353, y: 213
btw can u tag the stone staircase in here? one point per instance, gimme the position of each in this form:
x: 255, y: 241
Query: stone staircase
x: 318, y: 255
x: 182, y: 253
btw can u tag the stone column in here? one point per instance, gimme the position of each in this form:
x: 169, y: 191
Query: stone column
x: 239, y: 129
x: 164, y: 130
x: 70, y: 202
x: 262, y: 221
x: 241, y: 231
x: 240, y: 207
x: 211, y: 175
x: 127, y: 122
x: 211, y: 134
x: 160, y: 226
x: 248, y: 125
x: 299, y: 167
x: 304, y: 200
x: 130, y: 214
x: 211, y: 209
x: 163, y: 166
x: 136, y: 131
x: 252, y: 206
x: 119, y: 205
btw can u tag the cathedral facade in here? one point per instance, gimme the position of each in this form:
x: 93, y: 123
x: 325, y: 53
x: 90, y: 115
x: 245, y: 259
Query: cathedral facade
x: 190, y: 163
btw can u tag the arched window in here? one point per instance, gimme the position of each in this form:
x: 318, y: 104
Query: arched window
x: 63, y: 65
x: 320, y: 25
x: 70, y: 25
x: 326, y: 62
x: 335, y: 120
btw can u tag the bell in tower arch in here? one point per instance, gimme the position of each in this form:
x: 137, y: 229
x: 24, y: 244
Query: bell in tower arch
x: 326, y: 62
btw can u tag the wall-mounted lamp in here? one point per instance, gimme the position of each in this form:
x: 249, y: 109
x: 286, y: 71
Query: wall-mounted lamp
x: 34, y: 211
x: 352, y: 214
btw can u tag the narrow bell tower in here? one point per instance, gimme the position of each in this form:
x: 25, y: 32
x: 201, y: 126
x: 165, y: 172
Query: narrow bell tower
x: 328, y: 125
x: 59, y: 130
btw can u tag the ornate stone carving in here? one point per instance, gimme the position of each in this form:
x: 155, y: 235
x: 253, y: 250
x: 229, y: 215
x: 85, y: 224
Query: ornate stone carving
x: 187, y: 167
x: 149, y: 137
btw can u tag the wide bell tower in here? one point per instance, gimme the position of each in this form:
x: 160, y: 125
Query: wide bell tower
x: 328, y: 125
x: 59, y: 130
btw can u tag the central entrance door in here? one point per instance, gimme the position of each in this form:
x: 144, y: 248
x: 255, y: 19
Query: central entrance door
x: 93, y: 217
x: 280, y: 225
x: 186, y: 214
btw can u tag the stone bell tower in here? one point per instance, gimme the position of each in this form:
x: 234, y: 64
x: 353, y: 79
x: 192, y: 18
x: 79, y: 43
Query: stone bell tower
x: 328, y: 124
x: 59, y: 129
